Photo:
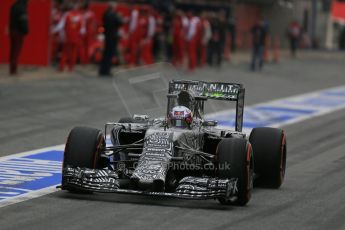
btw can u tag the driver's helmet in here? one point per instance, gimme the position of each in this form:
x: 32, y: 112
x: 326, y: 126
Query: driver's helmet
x: 181, y: 117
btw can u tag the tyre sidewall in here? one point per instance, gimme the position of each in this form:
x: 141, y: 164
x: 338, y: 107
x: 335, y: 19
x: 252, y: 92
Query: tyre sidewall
x: 269, y: 146
x: 83, y: 148
x: 238, y: 153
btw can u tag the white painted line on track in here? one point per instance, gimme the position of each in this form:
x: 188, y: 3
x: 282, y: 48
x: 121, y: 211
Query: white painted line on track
x: 23, y: 193
x: 28, y: 196
x: 315, y: 101
x: 29, y: 153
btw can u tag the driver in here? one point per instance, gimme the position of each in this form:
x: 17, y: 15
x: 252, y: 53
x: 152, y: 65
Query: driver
x: 181, y: 117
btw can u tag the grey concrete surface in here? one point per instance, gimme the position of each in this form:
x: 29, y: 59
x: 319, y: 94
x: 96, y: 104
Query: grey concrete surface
x: 39, y: 113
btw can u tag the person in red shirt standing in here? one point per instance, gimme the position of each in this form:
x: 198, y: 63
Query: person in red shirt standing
x: 89, y: 32
x: 147, y: 25
x: 193, y: 39
x: 185, y: 27
x: 73, y: 32
x: 58, y: 32
x: 56, y: 17
x: 178, y: 39
x: 134, y: 37
x: 205, y: 38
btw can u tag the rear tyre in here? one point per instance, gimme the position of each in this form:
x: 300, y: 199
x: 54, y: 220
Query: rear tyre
x: 83, y: 149
x: 239, y: 155
x: 269, y: 146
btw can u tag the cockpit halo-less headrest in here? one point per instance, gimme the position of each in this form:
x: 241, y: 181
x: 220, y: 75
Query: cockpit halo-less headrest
x: 185, y: 99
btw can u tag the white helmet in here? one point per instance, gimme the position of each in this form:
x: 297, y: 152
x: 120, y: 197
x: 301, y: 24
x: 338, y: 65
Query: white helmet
x: 181, y: 117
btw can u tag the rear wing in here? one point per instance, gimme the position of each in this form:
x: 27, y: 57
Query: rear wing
x: 214, y: 90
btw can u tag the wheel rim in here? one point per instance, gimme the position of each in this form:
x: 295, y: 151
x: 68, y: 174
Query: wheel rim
x: 100, y: 144
x: 283, y: 158
x: 249, y: 171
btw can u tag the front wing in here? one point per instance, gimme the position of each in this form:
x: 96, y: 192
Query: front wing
x: 107, y: 181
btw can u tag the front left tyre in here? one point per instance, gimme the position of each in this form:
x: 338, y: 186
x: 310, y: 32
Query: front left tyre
x: 237, y: 153
x: 83, y: 149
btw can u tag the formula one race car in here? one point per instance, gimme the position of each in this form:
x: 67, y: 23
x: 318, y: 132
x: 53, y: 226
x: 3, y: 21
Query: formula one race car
x: 181, y: 155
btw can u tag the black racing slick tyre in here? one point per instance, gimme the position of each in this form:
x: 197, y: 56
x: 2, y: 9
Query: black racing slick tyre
x: 269, y: 146
x: 83, y: 148
x: 238, y: 154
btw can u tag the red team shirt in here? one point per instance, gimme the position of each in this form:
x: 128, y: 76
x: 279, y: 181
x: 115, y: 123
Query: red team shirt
x: 73, y: 27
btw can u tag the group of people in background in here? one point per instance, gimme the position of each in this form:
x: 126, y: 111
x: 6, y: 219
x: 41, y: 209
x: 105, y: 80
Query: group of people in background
x: 260, y: 36
x: 139, y: 35
x: 200, y: 38
x: 74, y: 29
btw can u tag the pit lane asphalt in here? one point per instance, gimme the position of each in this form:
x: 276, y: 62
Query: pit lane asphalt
x: 40, y: 113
